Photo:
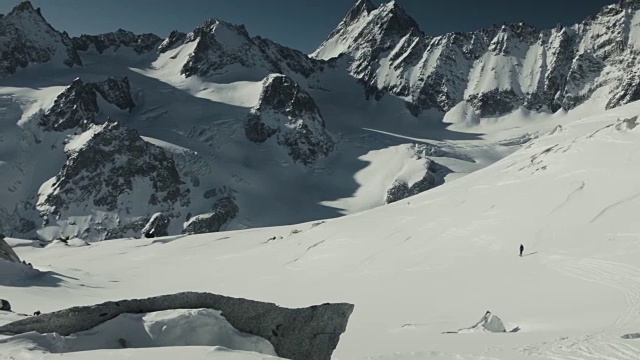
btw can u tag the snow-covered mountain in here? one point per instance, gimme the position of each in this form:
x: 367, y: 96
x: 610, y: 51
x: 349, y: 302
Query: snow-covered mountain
x: 419, y: 272
x: 218, y: 130
x: 215, y: 130
x: 493, y: 71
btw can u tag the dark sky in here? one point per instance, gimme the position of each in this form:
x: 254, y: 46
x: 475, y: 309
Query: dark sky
x: 301, y: 24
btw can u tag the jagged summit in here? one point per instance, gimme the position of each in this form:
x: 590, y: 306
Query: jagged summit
x: 27, y: 38
x: 25, y: 6
x: 396, y: 13
x: 227, y: 52
x: 142, y: 43
x: 366, y: 26
x: 362, y: 7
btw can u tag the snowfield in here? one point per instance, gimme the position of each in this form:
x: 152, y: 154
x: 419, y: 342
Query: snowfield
x: 414, y: 269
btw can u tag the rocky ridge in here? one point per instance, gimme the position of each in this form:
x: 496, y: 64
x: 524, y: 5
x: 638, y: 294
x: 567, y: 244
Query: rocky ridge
x: 494, y: 70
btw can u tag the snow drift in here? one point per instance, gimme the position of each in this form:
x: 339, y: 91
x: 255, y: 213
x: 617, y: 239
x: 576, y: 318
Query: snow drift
x: 184, y: 327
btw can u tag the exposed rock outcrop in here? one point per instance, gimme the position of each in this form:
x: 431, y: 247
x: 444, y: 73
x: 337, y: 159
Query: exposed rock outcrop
x: 488, y: 323
x: 174, y: 38
x: 286, y: 110
x: 5, y: 305
x: 299, y: 334
x: 77, y: 105
x: 110, y: 168
x: 433, y: 177
x: 157, y: 226
x: 224, y: 210
x: 116, y: 91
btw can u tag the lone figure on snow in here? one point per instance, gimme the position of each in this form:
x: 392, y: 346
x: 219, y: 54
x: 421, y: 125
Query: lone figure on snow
x: 521, y: 249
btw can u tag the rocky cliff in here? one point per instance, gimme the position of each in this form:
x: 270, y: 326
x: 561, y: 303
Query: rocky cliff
x: 495, y: 70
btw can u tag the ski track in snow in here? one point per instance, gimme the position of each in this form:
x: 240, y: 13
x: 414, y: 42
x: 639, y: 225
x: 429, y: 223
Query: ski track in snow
x: 573, y: 194
x: 605, y: 344
x: 614, y: 205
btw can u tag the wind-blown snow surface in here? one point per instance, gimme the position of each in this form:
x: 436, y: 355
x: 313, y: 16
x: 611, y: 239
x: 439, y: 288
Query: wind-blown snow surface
x: 417, y: 269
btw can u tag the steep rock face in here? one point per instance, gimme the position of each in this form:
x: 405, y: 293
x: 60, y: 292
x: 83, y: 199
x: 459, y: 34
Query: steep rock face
x: 496, y: 70
x: 174, y: 38
x: 142, y: 43
x: 310, y: 333
x: 27, y: 38
x: 223, y: 49
x: 288, y: 112
x: 116, y: 91
x: 223, y: 211
x: 6, y: 252
x: 111, y: 169
x: 77, y: 106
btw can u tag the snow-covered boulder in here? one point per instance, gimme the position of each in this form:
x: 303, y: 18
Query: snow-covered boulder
x: 488, y: 323
x: 434, y: 174
x: 116, y: 179
x: 169, y: 328
x: 223, y: 211
x: 27, y: 38
x: 492, y: 323
x: 290, y: 114
x: 310, y: 333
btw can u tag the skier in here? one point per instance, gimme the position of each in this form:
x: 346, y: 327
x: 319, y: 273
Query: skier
x: 521, y: 249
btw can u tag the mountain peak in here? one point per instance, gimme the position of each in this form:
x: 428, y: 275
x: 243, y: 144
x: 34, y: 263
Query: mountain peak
x: 397, y: 17
x: 28, y: 38
x: 25, y: 6
x: 362, y: 7
x: 367, y: 27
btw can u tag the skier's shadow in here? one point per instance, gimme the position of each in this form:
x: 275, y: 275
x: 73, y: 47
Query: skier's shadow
x: 529, y: 254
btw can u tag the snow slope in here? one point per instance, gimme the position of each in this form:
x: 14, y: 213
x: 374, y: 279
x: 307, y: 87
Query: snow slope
x: 415, y: 269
